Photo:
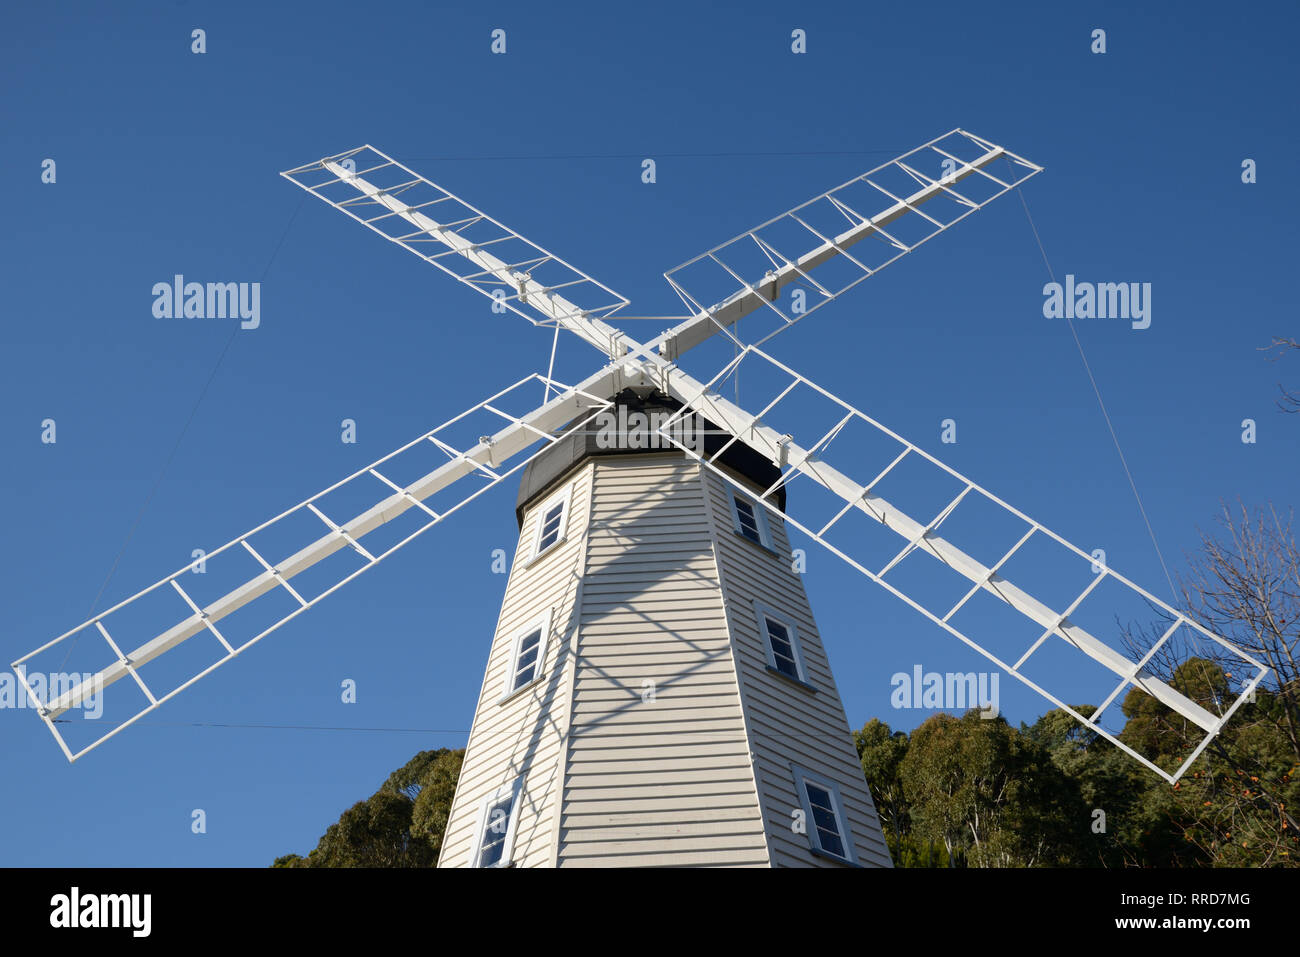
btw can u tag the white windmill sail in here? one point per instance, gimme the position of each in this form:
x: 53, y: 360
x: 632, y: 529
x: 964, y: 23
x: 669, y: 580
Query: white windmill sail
x: 462, y: 241
x: 860, y: 496
x: 422, y: 483
x: 851, y: 232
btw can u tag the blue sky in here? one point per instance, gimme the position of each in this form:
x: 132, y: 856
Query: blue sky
x: 167, y: 163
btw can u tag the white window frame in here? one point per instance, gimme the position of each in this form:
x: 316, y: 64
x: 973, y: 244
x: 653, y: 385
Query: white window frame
x: 542, y: 622
x: 762, y: 613
x: 760, y: 519
x: 563, y: 499
x: 801, y: 777
x: 513, y: 790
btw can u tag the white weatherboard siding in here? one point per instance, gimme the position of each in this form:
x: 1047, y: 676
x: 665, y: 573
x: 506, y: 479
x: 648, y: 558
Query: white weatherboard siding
x: 656, y: 735
x: 658, y: 765
x: 524, y: 734
x: 789, y: 724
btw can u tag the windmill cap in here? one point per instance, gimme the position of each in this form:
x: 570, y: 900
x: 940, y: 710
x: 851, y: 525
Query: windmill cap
x: 620, y: 430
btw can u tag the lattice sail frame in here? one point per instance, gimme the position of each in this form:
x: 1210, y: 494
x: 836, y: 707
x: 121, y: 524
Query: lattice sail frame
x: 487, y: 460
x: 790, y: 458
x: 461, y: 240
x: 776, y: 254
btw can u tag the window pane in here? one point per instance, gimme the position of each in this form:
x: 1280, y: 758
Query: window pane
x: 817, y: 797
x: 778, y: 637
x: 549, y: 533
x: 748, y: 521
x: 526, y: 665
x: 495, y: 828
x: 781, y: 648
x: 499, y: 816
x: 825, y: 820
x: 787, y: 667
x: 830, y: 842
x: 492, y: 853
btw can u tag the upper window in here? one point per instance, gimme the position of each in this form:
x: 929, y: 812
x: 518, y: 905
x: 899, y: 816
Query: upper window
x: 824, y: 812
x: 550, y: 523
x: 781, y: 637
x: 751, y: 522
x: 496, y: 832
x: 527, y: 654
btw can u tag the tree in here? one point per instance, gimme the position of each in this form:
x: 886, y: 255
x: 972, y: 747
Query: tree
x: 1290, y: 401
x: 433, y: 805
x: 1231, y: 808
x: 881, y: 752
x: 989, y: 795
x: 375, y: 832
x: 1126, y: 825
x: 1235, y: 806
x: 400, y: 825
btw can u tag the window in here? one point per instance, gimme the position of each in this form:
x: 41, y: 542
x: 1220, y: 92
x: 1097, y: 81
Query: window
x: 496, y: 830
x: 782, y: 640
x: 527, y: 654
x: 751, y: 522
x: 824, y: 817
x: 550, y: 523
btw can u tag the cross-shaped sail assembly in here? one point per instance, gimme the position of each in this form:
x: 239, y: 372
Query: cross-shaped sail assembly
x: 784, y: 270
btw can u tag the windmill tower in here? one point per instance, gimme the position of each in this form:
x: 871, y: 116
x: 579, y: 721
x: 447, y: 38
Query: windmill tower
x: 657, y: 691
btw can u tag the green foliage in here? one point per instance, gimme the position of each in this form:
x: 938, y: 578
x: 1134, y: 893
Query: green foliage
x: 375, y: 832
x: 970, y: 792
x: 990, y: 794
x: 400, y: 825
x: 881, y: 752
x: 433, y: 805
x: 1234, y: 806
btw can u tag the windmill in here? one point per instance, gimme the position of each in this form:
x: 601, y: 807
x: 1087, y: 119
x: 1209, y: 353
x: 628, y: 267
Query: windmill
x: 657, y: 690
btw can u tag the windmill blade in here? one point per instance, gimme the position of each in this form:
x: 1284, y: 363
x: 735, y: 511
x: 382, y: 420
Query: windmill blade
x: 462, y: 241
x: 397, y: 498
x: 951, y: 177
x: 879, y: 538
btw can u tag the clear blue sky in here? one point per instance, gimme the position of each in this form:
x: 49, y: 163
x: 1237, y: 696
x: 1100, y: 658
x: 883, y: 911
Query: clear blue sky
x: 167, y: 163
